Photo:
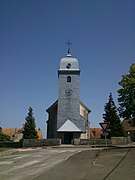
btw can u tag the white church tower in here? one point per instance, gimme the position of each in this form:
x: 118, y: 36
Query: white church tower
x: 68, y: 116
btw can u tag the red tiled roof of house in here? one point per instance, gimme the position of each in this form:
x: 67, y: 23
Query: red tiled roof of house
x: 95, y: 133
x: 12, y: 131
x: 127, y: 125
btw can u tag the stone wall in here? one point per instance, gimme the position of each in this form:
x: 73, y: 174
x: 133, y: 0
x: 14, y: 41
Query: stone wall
x: 93, y: 142
x: 120, y: 140
x: 76, y: 141
x: 39, y: 143
x: 112, y: 141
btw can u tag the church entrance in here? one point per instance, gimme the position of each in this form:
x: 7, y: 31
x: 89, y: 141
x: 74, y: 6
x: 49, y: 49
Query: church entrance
x: 68, y: 136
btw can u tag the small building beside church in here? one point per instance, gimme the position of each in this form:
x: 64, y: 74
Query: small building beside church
x: 68, y: 117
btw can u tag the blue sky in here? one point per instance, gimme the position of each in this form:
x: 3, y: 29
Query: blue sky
x: 33, y: 34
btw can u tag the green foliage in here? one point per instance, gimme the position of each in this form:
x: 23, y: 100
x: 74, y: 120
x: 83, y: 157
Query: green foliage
x: 110, y: 115
x: 29, y: 131
x: 127, y: 94
x: 4, y: 137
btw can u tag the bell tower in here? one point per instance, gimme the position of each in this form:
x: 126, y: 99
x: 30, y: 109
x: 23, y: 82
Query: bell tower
x: 68, y: 91
x: 68, y: 116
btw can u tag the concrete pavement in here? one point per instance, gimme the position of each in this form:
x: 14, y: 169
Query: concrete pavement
x: 115, y: 164
x: 29, y: 163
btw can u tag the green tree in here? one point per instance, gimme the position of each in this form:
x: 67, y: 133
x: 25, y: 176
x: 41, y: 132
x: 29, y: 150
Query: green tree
x: 29, y: 131
x: 127, y: 94
x: 110, y: 115
x: 4, y: 137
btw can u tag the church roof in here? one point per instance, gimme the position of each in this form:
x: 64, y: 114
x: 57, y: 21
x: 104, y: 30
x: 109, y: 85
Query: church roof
x: 69, y: 63
x: 69, y: 126
x: 82, y: 104
x: 56, y: 104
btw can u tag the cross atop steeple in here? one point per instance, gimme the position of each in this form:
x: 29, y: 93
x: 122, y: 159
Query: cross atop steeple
x: 69, y: 44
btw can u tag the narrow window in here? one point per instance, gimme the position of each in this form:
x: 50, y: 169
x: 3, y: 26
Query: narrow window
x: 68, y: 79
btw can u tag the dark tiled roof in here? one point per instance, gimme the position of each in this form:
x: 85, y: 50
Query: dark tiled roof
x: 52, y: 106
x: 56, y: 104
x: 85, y: 106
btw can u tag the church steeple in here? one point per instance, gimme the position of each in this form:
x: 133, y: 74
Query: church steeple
x: 69, y: 63
x: 66, y: 116
x: 69, y: 52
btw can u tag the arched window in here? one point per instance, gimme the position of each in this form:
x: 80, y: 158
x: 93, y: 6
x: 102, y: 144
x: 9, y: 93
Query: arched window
x: 69, y: 79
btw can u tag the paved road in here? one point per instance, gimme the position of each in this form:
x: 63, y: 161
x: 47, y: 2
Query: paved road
x: 118, y: 164
x: 69, y: 163
x: 74, y: 168
x: 30, y: 163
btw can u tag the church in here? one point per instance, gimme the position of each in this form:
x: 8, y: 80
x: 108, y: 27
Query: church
x: 68, y: 117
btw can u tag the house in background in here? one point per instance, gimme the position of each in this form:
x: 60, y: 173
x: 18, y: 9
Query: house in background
x: 130, y: 130
x: 16, y: 133
x: 95, y: 133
